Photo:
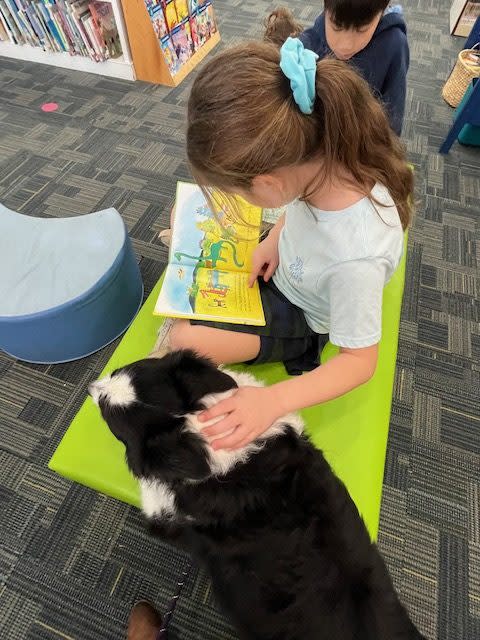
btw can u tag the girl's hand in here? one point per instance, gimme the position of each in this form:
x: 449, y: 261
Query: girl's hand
x: 265, y: 260
x: 248, y: 413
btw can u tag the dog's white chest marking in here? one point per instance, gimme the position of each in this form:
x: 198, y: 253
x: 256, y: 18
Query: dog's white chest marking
x: 158, y: 499
x: 221, y: 461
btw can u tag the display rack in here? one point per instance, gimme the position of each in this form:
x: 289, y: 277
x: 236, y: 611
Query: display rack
x: 149, y: 60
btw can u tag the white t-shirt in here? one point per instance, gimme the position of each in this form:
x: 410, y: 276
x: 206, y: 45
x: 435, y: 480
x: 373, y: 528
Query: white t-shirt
x: 335, y: 264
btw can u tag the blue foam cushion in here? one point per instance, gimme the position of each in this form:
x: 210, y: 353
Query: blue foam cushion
x: 69, y: 286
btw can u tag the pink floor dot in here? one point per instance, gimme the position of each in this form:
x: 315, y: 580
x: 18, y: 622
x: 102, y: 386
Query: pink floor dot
x: 49, y: 106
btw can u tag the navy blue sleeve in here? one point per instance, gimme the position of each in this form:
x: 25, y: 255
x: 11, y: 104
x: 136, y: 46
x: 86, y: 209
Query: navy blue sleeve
x: 395, y: 86
x: 312, y: 39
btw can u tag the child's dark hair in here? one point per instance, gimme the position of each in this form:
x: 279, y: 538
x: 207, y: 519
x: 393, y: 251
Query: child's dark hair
x: 348, y: 14
x: 243, y: 122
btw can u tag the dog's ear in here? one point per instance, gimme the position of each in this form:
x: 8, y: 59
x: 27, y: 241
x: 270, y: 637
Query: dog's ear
x: 198, y: 377
x: 172, y: 453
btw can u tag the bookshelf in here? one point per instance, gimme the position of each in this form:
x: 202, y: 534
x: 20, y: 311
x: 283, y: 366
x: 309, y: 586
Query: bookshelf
x: 463, y: 14
x: 116, y: 67
x: 161, y: 41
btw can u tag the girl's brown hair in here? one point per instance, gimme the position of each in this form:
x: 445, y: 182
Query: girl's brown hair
x: 243, y: 122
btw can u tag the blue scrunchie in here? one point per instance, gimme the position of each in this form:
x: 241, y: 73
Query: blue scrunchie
x: 300, y: 65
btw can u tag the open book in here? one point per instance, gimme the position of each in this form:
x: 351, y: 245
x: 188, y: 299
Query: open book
x: 210, y: 261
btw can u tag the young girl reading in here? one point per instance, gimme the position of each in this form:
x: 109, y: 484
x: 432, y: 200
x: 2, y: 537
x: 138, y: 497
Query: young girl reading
x: 280, y: 127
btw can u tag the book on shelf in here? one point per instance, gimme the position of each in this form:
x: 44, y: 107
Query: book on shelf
x: 170, y: 54
x: 79, y: 27
x: 210, y: 260
x: 182, y: 41
x: 104, y: 19
x: 158, y: 21
x: 182, y: 9
x: 182, y: 27
x: 171, y: 16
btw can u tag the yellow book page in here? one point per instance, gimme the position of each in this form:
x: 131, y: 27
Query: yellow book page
x: 227, y: 296
x: 224, y: 238
x: 210, y: 294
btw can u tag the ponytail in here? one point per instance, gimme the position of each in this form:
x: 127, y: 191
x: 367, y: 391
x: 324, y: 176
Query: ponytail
x: 355, y: 134
x: 243, y: 121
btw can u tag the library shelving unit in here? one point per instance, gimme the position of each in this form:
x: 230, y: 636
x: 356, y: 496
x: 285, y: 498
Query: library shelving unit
x: 149, y: 60
x: 142, y: 56
x: 119, y: 67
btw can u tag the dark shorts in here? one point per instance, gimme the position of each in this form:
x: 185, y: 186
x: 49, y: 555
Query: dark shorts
x: 286, y: 337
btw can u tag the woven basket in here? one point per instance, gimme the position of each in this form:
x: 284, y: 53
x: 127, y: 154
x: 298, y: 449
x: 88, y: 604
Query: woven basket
x: 460, y: 78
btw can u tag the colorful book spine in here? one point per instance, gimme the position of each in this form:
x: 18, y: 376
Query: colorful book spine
x: 57, y: 41
x: 16, y: 35
x: 8, y: 27
x: 4, y: 35
x: 79, y: 27
x: 17, y: 21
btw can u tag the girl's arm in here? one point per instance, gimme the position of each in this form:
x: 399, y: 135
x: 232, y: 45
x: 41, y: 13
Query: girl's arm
x: 265, y: 258
x: 344, y: 372
x: 251, y: 410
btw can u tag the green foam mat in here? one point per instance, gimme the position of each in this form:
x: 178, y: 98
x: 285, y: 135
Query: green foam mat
x: 351, y: 430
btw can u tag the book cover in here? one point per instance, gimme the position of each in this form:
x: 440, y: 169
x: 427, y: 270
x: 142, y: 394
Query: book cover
x: 210, y: 261
x: 104, y: 21
x: 170, y: 14
x: 169, y: 54
x: 158, y: 21
x: 193, y: 32
x: 102, y: 13
x: 152, y: 5
x: 204, y: 26
x: 189, y: 34
x: 182, y: 9
x: 211, y: 21
x: 182, y: 42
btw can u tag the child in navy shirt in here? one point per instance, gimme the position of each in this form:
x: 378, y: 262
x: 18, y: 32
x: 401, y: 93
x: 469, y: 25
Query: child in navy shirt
x: 369, y: 34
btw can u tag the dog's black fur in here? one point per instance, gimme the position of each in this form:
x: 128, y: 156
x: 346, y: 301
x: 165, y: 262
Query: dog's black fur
x: 288, y: 554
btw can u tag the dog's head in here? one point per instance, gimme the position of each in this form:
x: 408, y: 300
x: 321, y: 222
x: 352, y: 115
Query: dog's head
x: 148, y: 405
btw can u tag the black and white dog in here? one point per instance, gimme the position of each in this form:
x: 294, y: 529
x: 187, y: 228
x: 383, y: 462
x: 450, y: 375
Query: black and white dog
x: 288, y: 554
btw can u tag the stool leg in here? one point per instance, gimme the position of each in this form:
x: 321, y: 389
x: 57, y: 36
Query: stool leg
x: 452, y: 135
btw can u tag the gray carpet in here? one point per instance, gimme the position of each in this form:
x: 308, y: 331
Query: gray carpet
x: 72, y: 562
